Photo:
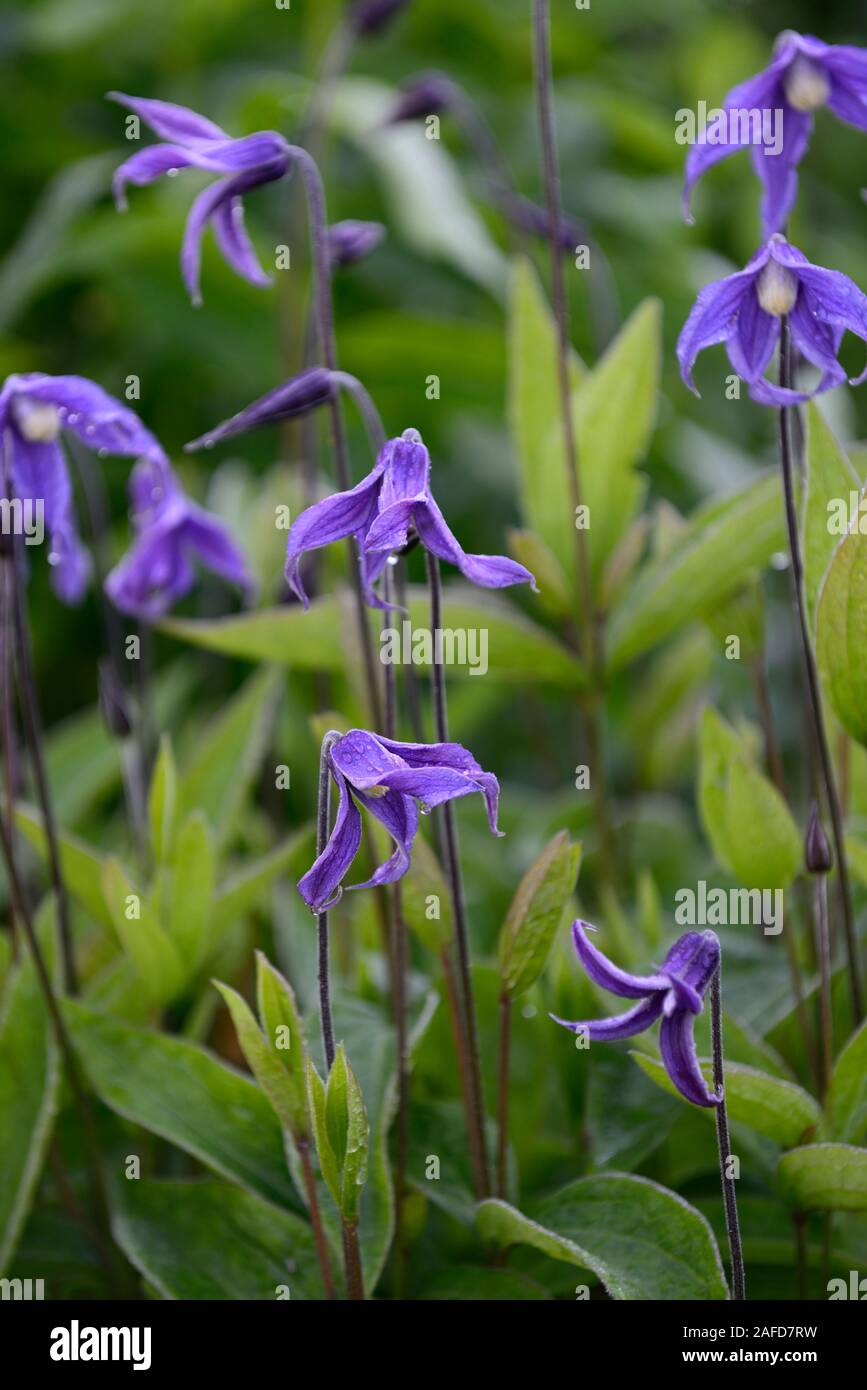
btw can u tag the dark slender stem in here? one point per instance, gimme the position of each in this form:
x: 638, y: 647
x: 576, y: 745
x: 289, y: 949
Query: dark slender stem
x: 823, y: 956
x: 814, y: 701
x: 410, y: 684
x: 399, y: 970
x: 35, y: 739
x: 352, y: 1263
x: 318, y: 219
x: 730, y: 1200
x: 322, y: 1255
x: 587, y: 622
x: 503, y: 1094
x: 452, y: 867
x: 322, y: 828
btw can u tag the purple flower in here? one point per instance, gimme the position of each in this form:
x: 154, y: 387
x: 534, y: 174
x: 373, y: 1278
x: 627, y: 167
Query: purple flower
x: 297, y: 396
x: 803, y: 75
x: 744, y: 311
x: 193, y: 141
x: 172, y: 533
x: 370, y: 16
x: 393, y: 500
x: 674, y: 993
x: 34, y: 411
x: 429, y: 94
x: 351, y: 241
x: 389, y: 779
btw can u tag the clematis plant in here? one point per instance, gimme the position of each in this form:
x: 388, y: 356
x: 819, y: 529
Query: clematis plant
x: 674, y: 993
x: 803, y: 75
x: 381, y: 511
x: 745, y: 311
x: 390, y: 779
x: 172, y: 533
x: 35, y: 410
x: 351, y: 240
x: 193, y: 141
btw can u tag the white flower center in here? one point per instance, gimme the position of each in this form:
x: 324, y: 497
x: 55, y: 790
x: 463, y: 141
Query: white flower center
x: 777, y: 289
x: 806, y: 85
x: 37, y: 421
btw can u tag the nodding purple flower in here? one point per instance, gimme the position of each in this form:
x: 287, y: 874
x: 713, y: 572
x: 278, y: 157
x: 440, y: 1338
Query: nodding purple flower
x: 392, y: 503
x: 371, y: 16
x: 674, y: 993
x: 172, y: 533
x: 389, y: 779
x: 804, y: 74
x: 192, y: 141
x: 35, y: 409
x: 351, y: 241
x: 744, y: 312
x: 299, y: 395
x: 427, y: 95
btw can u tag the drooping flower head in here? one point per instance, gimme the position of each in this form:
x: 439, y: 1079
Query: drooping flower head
x: 381, y: 511
x: 804, y: 74
x: 744, y: 312
x: 172, y: 533
x: 369, y: 17
x: 391, y: 780
x: 192, y: 141
x: 350, y: 241
x: 299, y: 395
x: 35, y: 409
x: 674, y: 993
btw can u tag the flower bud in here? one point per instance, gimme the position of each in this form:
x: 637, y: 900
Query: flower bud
x: 297, y: 396
x: 351, y: 241
x: 37, y: 421
x: 424, y: 96
x: 113, y: 703
x: 817, y: 852
x: 806, y: 84
x: 777, y: 289
x: 370, y: 16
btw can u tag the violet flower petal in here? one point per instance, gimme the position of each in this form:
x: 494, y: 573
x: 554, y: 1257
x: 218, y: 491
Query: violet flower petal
x: 609, y: 976
x: 343, y: 514
x: 171, y: 122
x: 297, y: 396
x: 488, y: 571
x: 677, y: 1047
x: 95, y: 417
x: 713, y: 318
x: 779, y: 172
x: 321, y: 883
x: 399, y: 815
x: 626, y: 1025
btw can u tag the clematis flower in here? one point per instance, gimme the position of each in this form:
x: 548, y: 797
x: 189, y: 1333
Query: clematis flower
x: 35, y: 409
x: 351, y: 241
x: 371, y: 16
x: 299, y: 395
x: 192, y: 141
x: 389, y: 779
x: 804, y: 75
x: 381, y: 511
x: 744, y: 311
x: 674, y: 994
x: 172, y: 533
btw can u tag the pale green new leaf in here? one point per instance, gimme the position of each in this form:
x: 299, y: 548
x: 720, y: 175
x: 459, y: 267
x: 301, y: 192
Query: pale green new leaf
x: 824, y: 1177
x: 846, y: 1102
x: 830, y: 480
x: 841, y: 634
x: 162, y: 801
x: 770, y: 1105
x: 262, y: 1060
x: 535, y: 913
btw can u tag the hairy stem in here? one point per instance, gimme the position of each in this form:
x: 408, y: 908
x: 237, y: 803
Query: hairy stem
x: 452, y: 867
x: 503, y: 1093
x: 730, y: 1201
x: 814, y: 695
x: 324, y: 969
x: 587, y: 622
x: 322, y: 1255
x: 352, y: 1263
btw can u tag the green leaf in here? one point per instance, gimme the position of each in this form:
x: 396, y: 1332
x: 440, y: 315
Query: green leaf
x: 229, y: 755
x: 209, y: 1240
x: 746, y: 819
x: 29, y: 1093
x: 81, y: 865
x: 191, y: 916
x: 724, y: 542
x: 161, y: 801
x: 841, y: 635
x: 830, y: 479
x: 357, y: 1144
x: 284, y: 636
x: 846, y: 1102
x: 770, y: 1105
x: 531, y: 551
x: 316, y: 1102
x: 824, y: 1177
x: 246, y: 888
x: 642, y: 1241
x: 534, y: 415
x: 151, y: 950
x: 535, y: 913
x: 284, y: 1033
x: 188, y: 1096
x: 263, y: 1062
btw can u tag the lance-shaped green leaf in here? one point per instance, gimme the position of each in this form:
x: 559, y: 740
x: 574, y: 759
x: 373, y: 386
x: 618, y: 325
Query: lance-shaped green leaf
x: 841, y: 634
x: 846, y: 1102
x: 531, y: 551
x: 80, y: 863
x: 341, y: 1132
x: 278, y: 1083
x: 770, y: 1105
x: 249, y: 884
x: 642, y: 1241
x: 824, y: 1177
x: 151, y: 950
x: 190, y: 916
x: 535, y: 914
x: 746, y: 819
x: 161, y: 800
x: 284, y: 1032
x: 724, y: 542
x: 831, y: 481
